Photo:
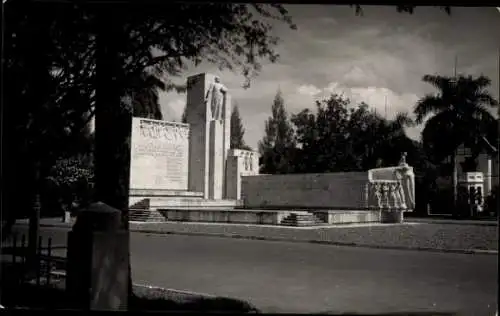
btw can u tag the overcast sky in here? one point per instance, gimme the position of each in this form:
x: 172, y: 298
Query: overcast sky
x: 383, y: 54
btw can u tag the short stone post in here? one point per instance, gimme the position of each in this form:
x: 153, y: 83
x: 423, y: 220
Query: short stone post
x: 98, y: 259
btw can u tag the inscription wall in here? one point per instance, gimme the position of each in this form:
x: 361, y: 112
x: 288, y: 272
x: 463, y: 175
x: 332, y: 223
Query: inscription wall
x: 159, y: 155
x: 326, y: 190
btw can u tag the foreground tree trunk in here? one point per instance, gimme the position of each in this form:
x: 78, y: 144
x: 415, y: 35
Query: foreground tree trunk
x: 34, y: 220
x: 112, y: 122
x: 454, y: 183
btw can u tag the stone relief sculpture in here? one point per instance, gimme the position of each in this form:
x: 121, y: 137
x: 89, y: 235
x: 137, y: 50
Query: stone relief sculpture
x: 245, y: 162
x: 378, y: 194
x: 250, y: 159
x: 392, y: 187
x: 394, y: 196
x: 216, y: 95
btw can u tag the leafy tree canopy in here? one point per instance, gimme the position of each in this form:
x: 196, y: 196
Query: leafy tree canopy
x: 345, y: 137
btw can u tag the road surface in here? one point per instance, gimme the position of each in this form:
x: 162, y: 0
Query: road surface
x: 311, y: 278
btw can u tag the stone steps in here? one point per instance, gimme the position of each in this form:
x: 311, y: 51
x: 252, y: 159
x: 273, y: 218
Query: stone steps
x: 146, y: 216
x: 301, y: 219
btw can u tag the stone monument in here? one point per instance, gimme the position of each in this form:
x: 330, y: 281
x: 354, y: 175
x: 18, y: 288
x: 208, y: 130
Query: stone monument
x: 208, y: 115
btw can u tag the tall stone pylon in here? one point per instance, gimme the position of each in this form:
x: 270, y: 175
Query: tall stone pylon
x: 208, y: 112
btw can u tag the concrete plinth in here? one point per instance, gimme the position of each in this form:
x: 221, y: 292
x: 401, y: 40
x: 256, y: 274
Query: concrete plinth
x: 98, y: 260
x: 392, y: 217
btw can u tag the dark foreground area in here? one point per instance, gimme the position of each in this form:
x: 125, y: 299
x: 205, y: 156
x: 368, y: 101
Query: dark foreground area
x: 51, y: 295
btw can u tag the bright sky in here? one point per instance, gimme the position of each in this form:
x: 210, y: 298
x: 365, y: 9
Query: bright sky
x: 382, y: 54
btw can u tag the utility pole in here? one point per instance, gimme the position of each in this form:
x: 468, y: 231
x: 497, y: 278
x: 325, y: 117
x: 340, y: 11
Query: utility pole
x: 455, y: 67
x: 385, y: 106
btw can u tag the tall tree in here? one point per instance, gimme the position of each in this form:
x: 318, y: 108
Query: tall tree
x: 459, y: 115
x: 237, y: 130
x: 53, y: 113
x: 320, y: 134
x: 278, y: 143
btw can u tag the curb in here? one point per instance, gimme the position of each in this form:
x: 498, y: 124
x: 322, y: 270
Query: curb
x: 321, y: 242
x: 451, y: 222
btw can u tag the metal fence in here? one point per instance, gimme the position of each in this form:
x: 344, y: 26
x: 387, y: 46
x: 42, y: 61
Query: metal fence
x: 41, y: 268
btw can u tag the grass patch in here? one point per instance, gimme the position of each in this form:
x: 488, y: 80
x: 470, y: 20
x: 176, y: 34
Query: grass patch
x: 54, y: 297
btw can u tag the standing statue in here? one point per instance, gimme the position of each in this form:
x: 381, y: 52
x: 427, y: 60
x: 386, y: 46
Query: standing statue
x: 406, y: 178
x: 216, y: 95
x: 402, y: 160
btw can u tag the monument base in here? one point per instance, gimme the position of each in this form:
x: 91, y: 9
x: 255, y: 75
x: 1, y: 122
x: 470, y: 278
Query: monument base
x: 228, y: 214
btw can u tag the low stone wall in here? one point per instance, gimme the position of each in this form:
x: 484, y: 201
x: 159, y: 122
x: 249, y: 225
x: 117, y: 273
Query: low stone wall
x: 348, y: 217
x: 344, y: 190
x: 188, y: 203
x: 264, y: 217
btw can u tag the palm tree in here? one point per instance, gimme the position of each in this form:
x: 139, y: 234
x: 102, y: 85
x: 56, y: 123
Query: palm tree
x: 459, y: 116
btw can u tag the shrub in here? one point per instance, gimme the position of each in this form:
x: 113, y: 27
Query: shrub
x: 442, y: 201
x: 69, y: 185
x: 491, y: 202
x: 426, y: 191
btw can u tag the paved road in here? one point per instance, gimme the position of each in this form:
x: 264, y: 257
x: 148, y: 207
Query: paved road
x: 305, y: 278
